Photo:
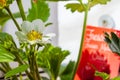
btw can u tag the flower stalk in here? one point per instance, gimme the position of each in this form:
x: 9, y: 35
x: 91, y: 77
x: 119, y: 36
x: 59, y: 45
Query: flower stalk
x: 20, y: 6
x: 33, y: 63
x: 82, y: 40
x: 14, y: 20
x: 6, y: 67
x: 21, y: 62
x: 52, y: 77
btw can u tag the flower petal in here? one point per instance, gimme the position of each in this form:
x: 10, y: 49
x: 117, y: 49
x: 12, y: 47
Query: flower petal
x: 26, y: 26
x: 31, y: 42
x: 21, y: 36
x: 51, y: 35
x: 48, y: 37
x: 38, y: 25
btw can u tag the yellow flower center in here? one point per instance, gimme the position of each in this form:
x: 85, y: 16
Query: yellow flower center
x: 2, y: 3
x: 34, y: 35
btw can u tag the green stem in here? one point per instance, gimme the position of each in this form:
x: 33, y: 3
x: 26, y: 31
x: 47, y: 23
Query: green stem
x: 81, y: 44
x: 36, y: 68
x: 21, y: 9
x: 21, y: 76
x: 19, y: 59
x: 8, y: 68
x: 2, y: 69
x: 82, y: 3
x: 53, y: 77
x: 33, y: 64
x: 21, y: 62
x: 11, y: 15
x: 5, y: 67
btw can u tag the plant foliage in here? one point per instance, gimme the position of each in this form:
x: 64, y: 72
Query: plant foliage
x: 113, y: 41
x: 51, y: 58
x: 81, y: 7
x: 39, y: 10
x: 104, y: 75
x: 16, y: 70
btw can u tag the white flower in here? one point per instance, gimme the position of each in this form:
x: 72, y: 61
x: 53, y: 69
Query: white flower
x: 32, y: 32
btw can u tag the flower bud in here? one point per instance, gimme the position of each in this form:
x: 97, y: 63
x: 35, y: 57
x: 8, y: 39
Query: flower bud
x: 2, y: 3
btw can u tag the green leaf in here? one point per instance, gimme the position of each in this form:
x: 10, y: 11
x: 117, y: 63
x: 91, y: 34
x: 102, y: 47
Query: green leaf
x: 66, y: 74
x: 5, y: 37
x: 5, y: 56
x: 81, y: 7
x: 115, y: 39
x: 106, y: 38
x: 3, y: 17
x: 75, y: 7
x: 7, y: 41
x: 14, y: 71
x: 103, y: 75
x: 114, y: 42
x: 116, y: 78
x: 68, y: 68
x: 39, y: 10
x: 6, y: 45
x: 9, y: 1
x: 51, y: 58
x: 95, y: 2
